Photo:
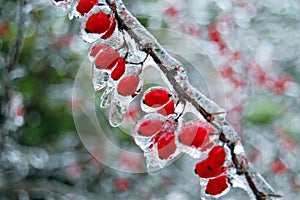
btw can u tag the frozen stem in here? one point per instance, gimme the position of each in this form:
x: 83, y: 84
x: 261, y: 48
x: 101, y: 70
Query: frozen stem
x: 241, y: 168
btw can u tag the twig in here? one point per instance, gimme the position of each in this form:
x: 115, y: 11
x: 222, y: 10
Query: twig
x: 184, y: 97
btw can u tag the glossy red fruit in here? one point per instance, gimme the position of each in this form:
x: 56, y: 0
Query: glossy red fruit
x: 84, y: 6
x: 157, y: 98
x: 217, y: 185
x: 97, y: 23
x: 193, y: 135
x: 203, y: 170
x: 167, y: 109
x: 111, y: 29
x: 95, y: 49
x: 216, y: 157
x: 150, y: 127
x: 128, y: 85
x: 166, y: 145
x: 119, y: 70
x: 106, y: 57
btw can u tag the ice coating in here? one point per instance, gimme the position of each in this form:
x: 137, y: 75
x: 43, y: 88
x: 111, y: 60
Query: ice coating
x: 117, y: 112
x: 100, y: 79
x: 63, y: 3
x: 142, y: 141
x: 200, y: 98
x: 208, y: 142
x: 107, y: 96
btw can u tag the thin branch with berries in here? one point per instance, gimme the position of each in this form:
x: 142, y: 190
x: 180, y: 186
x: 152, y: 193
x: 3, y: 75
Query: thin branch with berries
x: 122, y: 43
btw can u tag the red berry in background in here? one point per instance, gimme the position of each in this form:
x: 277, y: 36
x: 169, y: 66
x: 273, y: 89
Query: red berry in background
x: 84, y: 6
x: 122, y: 184
x: 166, y: 145
x: 203, y: 170
x: 98, y: 23
x: 4, y: 28
x: 156, y: 98
x: 167, y: 109
x: 216, y: 36
x: 217, y: 185
x: 193, y: 135
x: 171, y: 11
x: 150, y: 127
x: 277, y: 166
x: 216, y: 157
x: 106, y: 57
x: 119, y: 70
x: 128, y: 85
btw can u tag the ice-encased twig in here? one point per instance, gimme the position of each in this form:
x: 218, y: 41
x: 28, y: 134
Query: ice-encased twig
x: 242, y: 175
x: 257, y: 187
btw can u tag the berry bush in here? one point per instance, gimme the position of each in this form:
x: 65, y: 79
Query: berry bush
x: 140, y: 106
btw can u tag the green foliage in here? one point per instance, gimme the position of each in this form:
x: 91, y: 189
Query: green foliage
x: 262, y: 111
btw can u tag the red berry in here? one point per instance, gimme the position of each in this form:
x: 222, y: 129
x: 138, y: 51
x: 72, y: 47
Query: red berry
x: 97, y: 23
x: 84, y: 6
x: 217, y: 185
x: 207, y: 144
x: 216, y: 36
x: 203, y: 170
x: 106, y: 57
x: 150, y: 127
x: 96, y: 49
x: 167, y: 109
x: 119, y: 70
x: 216, y: 157
x: 193, y: 135
x: 166, y: 145
x: 156, y: 98
x: 111, y: 29
x: 128, y: 85
x: 122, y: 184
x: 156, y: 137
x: 278, y: 167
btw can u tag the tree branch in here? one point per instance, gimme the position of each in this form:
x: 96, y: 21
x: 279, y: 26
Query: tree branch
x: 241, y: 169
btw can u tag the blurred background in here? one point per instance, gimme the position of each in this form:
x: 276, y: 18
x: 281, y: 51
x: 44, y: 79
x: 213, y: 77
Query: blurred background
x: 255, y: 50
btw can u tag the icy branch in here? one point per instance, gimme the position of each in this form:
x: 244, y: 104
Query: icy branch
x: 132, y: 39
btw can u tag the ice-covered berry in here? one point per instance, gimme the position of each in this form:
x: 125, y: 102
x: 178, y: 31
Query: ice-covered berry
x: 106, y: 57
x: 84, y: 6
x: 203, y: 170
x: 150, y: 127
x: 217, y: 185
x: 193, y: 135
x: 128, y: 85
x: 216, y: 157
x: 166, y: 145
x: 156, y: 97
x: 119, y: 69
x: 98, y: 23
x: 167, y: 109
x: 111, y: 29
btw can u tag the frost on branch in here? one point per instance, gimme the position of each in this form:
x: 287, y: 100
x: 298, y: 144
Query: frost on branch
x: 122, y: 48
